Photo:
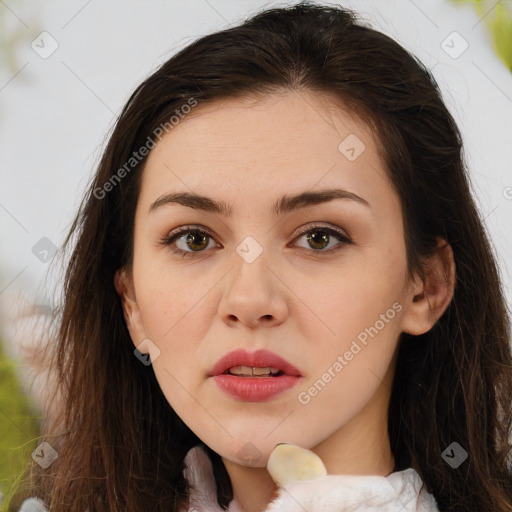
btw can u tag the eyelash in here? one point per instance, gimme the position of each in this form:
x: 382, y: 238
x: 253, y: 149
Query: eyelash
x: 168, y: 240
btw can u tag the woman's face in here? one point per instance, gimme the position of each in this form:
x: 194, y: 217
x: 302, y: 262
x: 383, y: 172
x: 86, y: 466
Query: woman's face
x: 288, y: 265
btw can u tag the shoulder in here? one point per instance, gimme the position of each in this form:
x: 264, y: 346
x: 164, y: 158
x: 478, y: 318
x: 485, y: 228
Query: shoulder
x: 33, y: 505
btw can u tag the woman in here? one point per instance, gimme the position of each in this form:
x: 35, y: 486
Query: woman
x: 280, y: 246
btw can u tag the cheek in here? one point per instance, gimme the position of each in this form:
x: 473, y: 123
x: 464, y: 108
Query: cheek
x: 345, y: 301
x: 345, y: 374
x: 182, y: 393
x: 358, y: 320
x: 170, y: 300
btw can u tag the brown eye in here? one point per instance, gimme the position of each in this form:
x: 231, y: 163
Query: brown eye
x: 319, y: 238
x: 190, y: 241
x: 197, y: 241
x: 187, y: 241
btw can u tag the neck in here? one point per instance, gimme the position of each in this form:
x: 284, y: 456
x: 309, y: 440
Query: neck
x: 253, y: 488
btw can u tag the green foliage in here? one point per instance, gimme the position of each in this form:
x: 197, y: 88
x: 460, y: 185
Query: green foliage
x: 498, y: 17
x: 19, y: 429
x: 501, y: 26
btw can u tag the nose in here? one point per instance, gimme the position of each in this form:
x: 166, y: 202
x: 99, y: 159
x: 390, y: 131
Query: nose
x: 253, y: 295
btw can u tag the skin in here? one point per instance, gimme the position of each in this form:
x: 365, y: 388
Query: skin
x: 294, y: 299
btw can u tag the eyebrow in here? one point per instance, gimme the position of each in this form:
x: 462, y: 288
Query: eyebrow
x: 284, y: 205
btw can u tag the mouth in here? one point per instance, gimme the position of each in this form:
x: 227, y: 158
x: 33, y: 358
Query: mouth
x: 254, y: 376
x: 248, y: 371
x: 259, y: 364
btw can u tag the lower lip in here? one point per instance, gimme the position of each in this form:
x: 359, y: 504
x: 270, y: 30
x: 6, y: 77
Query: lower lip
x: 255, y: 389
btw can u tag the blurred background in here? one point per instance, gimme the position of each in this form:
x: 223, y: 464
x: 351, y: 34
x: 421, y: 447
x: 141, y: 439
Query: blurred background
x: 66, y: 70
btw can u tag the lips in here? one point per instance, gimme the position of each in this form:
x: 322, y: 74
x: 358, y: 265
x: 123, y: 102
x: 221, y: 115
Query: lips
x: 258, y: 359
x: 255, y: 387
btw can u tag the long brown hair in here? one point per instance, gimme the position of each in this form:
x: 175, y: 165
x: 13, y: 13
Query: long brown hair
x: 122, y: 446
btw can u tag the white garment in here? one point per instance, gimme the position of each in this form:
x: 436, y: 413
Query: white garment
x: 398, y: 492
x: 32, y: 505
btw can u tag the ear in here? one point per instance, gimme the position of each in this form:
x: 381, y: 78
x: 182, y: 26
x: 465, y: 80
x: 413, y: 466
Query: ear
x: 123, y: 283
x: 431, y: 296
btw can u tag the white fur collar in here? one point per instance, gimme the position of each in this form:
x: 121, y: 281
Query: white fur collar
x: 398, y: 492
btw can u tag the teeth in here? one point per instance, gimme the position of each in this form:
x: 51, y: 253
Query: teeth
x: 250, y: 371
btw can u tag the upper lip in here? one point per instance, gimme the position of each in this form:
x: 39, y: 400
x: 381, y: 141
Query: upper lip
x: 260, y: 359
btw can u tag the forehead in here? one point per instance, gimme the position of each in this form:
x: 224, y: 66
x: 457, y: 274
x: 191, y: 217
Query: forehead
x: 281, y: 120
x: 290, y: 140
